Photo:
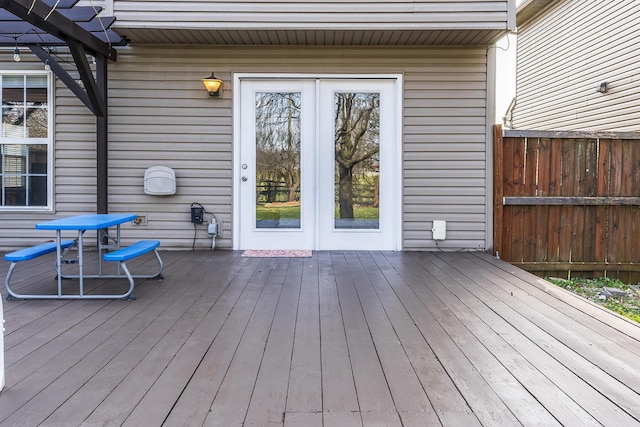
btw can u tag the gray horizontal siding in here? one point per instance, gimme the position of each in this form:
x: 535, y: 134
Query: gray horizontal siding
x: 321, y: 15
x: 161, y: 115
x: 445, y: 152
x: 565, y: 54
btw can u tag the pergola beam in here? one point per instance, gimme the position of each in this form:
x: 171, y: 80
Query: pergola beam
x: 69, y: 81
x: 57, y: 25
x: 86, y: 75
x: 38, y: 25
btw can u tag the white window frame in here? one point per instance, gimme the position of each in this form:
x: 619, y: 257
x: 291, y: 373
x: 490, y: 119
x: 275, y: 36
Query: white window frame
x: 31, y: 141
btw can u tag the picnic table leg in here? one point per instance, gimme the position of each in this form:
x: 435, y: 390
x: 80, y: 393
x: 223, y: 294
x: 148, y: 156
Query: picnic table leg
x: 59, y: 260
x: 129, y: 294
x: 7, y: 282
x: 81, y: 262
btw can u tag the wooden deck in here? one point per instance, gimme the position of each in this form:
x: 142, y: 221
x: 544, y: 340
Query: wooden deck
x: 339, y: 339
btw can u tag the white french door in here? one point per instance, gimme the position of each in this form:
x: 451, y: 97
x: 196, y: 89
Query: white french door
x: 318, y: 164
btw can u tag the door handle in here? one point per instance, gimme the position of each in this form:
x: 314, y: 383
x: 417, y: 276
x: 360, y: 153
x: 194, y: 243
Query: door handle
x: 244, y: 178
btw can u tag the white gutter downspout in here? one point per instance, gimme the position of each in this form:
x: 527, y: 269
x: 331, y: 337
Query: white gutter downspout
x: 489, y: 120
x: 507, y: 119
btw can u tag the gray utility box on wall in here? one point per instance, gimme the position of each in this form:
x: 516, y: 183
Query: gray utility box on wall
x: 159, y: 181
x: 439, y: 230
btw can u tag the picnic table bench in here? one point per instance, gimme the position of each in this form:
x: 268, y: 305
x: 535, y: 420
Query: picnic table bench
x: 125, y: 254
x: 28, y: 254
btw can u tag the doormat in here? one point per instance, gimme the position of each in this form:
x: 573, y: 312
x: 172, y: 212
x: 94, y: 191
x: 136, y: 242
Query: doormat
x: 277, y: 253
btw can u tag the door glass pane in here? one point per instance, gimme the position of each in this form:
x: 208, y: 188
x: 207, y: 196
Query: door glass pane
x: 357, y: 160
x: 278, y: 194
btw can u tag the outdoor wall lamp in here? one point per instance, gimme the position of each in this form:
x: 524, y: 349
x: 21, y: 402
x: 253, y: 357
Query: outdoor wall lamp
x: 213, y: 85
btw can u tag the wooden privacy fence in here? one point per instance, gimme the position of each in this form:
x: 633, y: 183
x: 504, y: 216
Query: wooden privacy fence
x: 568, y: 203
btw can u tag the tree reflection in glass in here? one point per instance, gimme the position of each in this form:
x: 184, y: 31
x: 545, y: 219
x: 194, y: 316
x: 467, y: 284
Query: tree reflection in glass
x: 278, y: 194
x: 357, y: 160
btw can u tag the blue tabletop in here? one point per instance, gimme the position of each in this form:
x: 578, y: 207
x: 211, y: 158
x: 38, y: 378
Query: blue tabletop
x: 86, y: 222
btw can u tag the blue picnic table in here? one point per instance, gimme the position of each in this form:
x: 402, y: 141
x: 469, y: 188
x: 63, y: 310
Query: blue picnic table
x: 109, y: 249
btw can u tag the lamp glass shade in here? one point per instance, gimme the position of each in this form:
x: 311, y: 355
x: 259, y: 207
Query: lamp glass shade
x: 213, y: 84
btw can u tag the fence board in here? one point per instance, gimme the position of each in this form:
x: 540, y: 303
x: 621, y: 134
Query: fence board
x: 567, y: 178
x: 555, y: 189
x: 570, y: 202
x: 517, y: 186
x: 635, y: 210
x: 628, y: 165
x: 615, y: 184
x: 542, y: 217
x: 529, y: 213
x: 604, y: 177
x: 590, y: 176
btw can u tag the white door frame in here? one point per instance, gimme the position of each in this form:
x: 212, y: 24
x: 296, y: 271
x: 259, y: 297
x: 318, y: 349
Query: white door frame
x: 237, y: 172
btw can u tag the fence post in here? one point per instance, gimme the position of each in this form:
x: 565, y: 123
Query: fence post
x: 498, y: 178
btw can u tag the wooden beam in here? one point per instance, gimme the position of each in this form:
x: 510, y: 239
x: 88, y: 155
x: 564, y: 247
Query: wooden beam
x: 62, y: 74
x: 61, y: 3
x: 57, y: 25
x: 576, y: 266
x: 102, y: 140
x: 571, y: 201
x: 551, y: 134
x: 86, y: 75
x: 98, y: 24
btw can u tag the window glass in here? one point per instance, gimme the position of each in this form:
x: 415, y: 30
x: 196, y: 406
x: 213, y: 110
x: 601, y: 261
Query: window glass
x: 357, y: 160
x: 278, y: 150
x: 25, y: 146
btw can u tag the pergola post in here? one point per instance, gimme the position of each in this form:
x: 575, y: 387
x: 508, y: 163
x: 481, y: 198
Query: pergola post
x: 102, y: 139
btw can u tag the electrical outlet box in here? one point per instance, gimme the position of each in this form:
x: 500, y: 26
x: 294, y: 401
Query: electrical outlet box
x: 140, y: 220
x: 196, y: 214
x: 212, y: 229
x: 439, y: 230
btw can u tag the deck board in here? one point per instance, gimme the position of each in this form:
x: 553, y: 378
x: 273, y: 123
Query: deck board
x: 158, y: 401
x: 562, y: 327
x: 339, y: 396
x: 373, y: 382
x: 566, y: 327
x: 578, y: 387
x: 304, y: 395
x: 342, y: 338
x: 230, y: 404
x: 480, y: 320
x: 194, y: 402
x: 92, y: 357
x: 484, y: 401
x: 268, y: 401
x: 404, y: 386
x: 442, y: 393
x: 130, y: 374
